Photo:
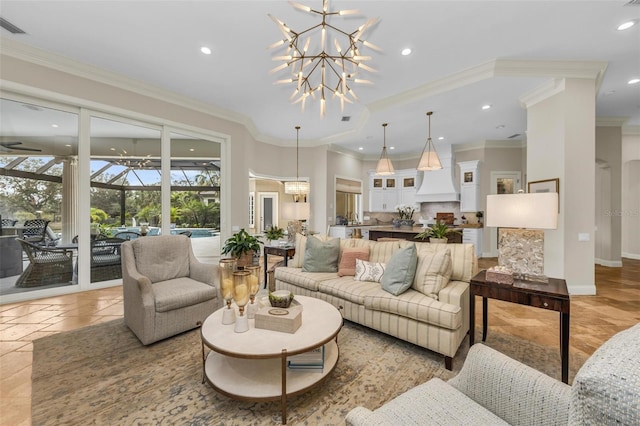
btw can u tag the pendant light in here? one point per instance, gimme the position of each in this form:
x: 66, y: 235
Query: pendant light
x: 429, y: 159
x: 298, y: 188
x: 384, y: 164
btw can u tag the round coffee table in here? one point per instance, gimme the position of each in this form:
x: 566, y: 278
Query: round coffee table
x: 253, y: 365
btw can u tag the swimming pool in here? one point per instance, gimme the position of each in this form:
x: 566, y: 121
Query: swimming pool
x: 197, y: 232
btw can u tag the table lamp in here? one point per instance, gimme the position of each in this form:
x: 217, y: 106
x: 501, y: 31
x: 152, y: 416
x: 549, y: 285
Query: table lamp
x: 522, y: 219
x: 295, y: 213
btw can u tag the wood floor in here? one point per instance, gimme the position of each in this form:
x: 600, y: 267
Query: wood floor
x: 593, y: 320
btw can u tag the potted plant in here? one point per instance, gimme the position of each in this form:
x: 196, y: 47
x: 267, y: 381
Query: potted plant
x: 242, y: 246
x: 273, y: 233
x: 479, y: 215
x: 436, y: 233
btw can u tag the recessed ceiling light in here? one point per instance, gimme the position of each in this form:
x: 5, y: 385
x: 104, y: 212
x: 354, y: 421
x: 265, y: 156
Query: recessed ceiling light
x: 191, y: 149
x: 360, y: 148
x: 55, y: 126
x: 112, y: 149
x: 486, y: 106
x: 392, y: 147
x: 406, y: 51
x: 68, y: 144
x: 634, y: 81
x: 626, y: 25
x: 441, y: 138
x: 205, y: 50
x: 500, y: 126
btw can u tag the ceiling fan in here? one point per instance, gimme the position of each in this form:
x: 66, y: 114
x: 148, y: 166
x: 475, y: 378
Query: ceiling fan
x: 12, y: 146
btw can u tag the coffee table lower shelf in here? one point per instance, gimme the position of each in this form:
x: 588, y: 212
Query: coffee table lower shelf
x: 261, y: 379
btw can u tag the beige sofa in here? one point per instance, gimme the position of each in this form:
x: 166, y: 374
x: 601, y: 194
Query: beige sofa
x: 438, y: 322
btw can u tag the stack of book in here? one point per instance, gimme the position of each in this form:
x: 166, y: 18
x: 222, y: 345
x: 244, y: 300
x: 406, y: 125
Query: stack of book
x: 309, y: 361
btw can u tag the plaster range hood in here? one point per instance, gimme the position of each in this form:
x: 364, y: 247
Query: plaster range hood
x: 438, y: 185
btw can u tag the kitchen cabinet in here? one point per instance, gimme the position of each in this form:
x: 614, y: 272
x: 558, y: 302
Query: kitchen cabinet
x: 469, y: 186
x: 473, y: 236
x: 383, y: 193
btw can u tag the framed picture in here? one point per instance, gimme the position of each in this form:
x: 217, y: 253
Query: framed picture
x: 547, y: 185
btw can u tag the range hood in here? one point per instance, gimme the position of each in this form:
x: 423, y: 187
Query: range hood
x: 438, y: 185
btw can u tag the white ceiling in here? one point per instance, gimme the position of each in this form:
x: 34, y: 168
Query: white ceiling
x: 463, y: 57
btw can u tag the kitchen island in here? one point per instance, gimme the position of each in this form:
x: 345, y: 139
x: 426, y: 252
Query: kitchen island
x: 454, y: 236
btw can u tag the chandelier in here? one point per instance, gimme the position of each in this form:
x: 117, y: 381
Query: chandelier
x: 298, y: 188
x: 330, y: 67
x: 429, y: 159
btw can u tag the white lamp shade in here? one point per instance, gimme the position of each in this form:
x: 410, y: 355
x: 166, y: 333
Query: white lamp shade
x: 296, y: 211
x: 429, y: 161
x: 532, y: 211
x: 384, y: 167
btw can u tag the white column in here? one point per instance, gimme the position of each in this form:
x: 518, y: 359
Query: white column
x: 69, y: 198
x: 561, y: 144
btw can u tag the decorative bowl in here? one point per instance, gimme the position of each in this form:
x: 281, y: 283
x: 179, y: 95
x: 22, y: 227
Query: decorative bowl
x: 280, y: 298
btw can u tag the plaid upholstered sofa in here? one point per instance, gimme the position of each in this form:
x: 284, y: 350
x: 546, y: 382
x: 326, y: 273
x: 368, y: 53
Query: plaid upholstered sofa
x: 433, y: 312
x: 493, y: 389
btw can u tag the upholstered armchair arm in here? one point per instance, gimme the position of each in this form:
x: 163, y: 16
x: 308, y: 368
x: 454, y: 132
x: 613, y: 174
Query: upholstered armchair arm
x: 203, y: 272
x: 513, y: 391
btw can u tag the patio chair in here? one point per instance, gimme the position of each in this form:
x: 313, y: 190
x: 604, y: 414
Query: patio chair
x: 128, y: 235
x: 106, y: 259
x: 47, y: 265
x: 9, y: 222
x: 35, y: 231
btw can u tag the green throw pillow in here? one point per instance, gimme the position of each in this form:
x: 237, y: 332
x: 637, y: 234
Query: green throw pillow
x: 400, y: 271
x: 321, y: 256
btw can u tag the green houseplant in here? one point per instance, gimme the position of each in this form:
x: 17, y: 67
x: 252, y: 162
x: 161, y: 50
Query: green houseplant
x: 273, y: 233
x: 436, y: 233
x: 242, y: 246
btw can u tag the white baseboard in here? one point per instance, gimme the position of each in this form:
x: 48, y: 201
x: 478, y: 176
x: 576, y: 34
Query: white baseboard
x: 609, y: 263
x: 631, y: 255
x: 582, y: 290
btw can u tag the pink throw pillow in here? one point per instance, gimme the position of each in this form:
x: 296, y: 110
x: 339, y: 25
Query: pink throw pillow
x: 348, y: 261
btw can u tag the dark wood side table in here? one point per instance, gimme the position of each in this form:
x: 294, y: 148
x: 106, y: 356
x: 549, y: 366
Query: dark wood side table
x: 552, y: 295
x: 284, y: 251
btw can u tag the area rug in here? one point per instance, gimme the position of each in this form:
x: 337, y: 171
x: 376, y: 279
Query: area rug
x: 102, y: 375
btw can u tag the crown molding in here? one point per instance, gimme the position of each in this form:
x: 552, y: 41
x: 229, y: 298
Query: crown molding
x: 542, y: 92
x: 611, y: 121
x: 631, y: 130
x: 490, y: 144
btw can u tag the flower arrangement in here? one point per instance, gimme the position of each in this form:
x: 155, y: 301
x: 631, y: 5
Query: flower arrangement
x: 405, y: 212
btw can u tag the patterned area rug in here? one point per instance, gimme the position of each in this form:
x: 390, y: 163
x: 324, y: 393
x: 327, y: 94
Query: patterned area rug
x: 103, y: 375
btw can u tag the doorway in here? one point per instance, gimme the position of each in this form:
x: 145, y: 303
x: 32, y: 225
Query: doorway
x: 268, y: 210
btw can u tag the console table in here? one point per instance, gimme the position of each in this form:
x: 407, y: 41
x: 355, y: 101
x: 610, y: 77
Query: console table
x: 552, y: 296
x: 282, y: 251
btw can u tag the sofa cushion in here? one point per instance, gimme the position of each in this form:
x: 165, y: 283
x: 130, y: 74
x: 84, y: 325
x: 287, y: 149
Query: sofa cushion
x: 369, y: 271
x: 606, y: 389
x: 162, y: 258
x: 321, y: 256
x: 463, y: 258
x: 181, y: 292
x: 415, y: 305
x: 301, y: 245
x: 347, y: 264
x: 379, y: 251
x: 400, y: 271
x: 307, y: 280
x: 433, y: 271
x: 348, y: 289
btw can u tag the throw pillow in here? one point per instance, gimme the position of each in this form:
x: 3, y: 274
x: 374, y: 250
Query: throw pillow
x: 369, y: 271
x: 321, y: 256
x: 348, y: 261
x: 433, y: 272
x: 400, y: 271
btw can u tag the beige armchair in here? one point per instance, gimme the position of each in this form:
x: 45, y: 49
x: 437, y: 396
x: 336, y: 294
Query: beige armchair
x: 166, y: 289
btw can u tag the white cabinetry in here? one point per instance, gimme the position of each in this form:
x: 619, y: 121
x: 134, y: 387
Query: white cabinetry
x: 383, y: 193
x: 473, y: 236
x: 469, y: 186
